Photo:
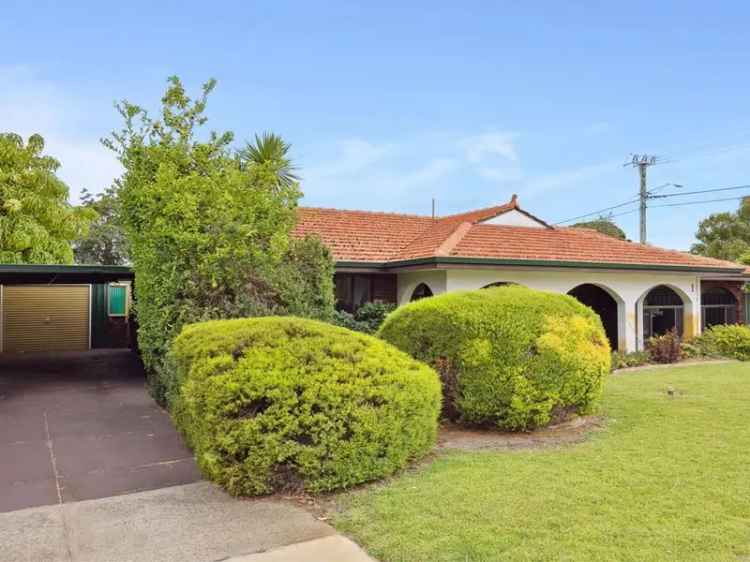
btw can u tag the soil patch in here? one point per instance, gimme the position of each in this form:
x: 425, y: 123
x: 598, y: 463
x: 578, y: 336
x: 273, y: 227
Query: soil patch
x: 564, y: 433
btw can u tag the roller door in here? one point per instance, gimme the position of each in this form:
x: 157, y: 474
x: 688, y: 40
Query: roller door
x: 45, y: 318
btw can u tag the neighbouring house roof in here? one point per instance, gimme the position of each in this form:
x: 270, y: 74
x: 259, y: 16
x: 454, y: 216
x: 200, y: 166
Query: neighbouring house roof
x: 391, y: 240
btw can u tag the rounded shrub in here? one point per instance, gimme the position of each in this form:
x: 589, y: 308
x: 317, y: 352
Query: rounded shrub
x: 507, y: 356
x: 726, y: 340
x: 283, y: 403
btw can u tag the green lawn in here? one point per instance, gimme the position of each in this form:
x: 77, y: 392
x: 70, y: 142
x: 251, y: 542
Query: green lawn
x: 669, y: 479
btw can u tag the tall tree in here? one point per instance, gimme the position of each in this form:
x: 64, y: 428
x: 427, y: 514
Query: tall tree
x: 208, y: 232
x: 605, y: 225
x: 105, y: 242
x: 37, y: 223
x: 726, y: 235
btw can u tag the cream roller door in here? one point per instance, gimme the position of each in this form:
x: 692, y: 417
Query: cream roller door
x: 45, y: 318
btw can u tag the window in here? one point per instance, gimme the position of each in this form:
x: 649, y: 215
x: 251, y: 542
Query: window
x: 663, y: 310
x: 719, y: 307
x: 421, y: 292
x: 118, y: 300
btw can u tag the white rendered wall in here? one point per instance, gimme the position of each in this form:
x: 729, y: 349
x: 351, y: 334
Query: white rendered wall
x: 435, y: 279
x: 514, y: 218
x: 628, y: 288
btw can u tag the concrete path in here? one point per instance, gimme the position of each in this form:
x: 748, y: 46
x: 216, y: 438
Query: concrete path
x: 327, y: 549
x: 81, y: 426
x: 189, y: 523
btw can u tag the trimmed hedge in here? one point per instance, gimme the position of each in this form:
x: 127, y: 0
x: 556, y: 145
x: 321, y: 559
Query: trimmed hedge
x: 508, y: 356
x: 732, y: 340
x: 276, y: 403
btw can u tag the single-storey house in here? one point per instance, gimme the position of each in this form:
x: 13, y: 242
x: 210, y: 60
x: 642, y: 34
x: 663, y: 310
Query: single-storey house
x: 638, y: 290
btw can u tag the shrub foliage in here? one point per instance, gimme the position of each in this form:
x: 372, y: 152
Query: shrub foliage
x: 367, y: 318
x: 665, y: 348
x: 208, y: 229
x: 273, y: 403
x: 509, y: 356
x: 726, y: 340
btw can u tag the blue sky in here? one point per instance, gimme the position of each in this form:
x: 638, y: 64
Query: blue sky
x: 388, y: 104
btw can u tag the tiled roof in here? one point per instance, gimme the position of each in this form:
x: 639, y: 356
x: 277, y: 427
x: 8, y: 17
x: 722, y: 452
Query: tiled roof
x: 361, y: 236
x: 570, y: 245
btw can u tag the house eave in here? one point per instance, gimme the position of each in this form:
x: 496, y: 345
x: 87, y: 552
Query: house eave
x: 437, y: 261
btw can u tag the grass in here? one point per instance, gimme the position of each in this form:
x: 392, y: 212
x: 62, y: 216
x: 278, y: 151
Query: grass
x: 669, y: 479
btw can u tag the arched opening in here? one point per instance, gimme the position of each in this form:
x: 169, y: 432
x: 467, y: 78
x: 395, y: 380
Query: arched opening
x: 499, y: 284
x: 719, y: 306
x: 422, y: 291
x: 604, y: 305
x: 663, y: 310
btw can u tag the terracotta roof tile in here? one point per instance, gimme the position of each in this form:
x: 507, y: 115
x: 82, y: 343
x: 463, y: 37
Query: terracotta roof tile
x: 570, y: 245
x: 362, y: 236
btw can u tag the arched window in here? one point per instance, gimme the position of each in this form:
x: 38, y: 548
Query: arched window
x: 422, y: 291
x: 663, y: 310
x: 718, y: 306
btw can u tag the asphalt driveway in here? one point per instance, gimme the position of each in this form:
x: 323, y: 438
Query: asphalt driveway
x: 79, y: 426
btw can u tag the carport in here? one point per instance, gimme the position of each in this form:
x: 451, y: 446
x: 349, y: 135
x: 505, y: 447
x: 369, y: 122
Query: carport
x: 64, y: 307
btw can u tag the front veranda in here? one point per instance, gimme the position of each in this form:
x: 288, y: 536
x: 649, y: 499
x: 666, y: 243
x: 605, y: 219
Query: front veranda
x: 633, y: 305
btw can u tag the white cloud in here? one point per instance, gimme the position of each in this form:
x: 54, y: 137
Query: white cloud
x: 402, y: 175
x: 567, y: 178
x: 30, y: 104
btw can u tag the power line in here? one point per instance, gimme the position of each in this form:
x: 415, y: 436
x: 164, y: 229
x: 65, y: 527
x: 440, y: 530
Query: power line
x: 733, y: 188
x: 600, y: 211
x: 703, y: 201
x: 695, y: 192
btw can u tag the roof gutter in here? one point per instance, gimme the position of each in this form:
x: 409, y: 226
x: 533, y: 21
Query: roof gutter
x: 453, y: 260
x: 53, y: 268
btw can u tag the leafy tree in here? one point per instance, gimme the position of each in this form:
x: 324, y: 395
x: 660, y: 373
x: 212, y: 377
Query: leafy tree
x: 605, y: 225
x: 208, y: 230
x: 725, y: 236
x: 105, y: 242
x: 37, y: 224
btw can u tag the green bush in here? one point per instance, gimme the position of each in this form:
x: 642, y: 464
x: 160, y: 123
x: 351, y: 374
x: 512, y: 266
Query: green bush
x: 731, y: 340
x: 366, y: 319
x: 665, y: 348
x: 508, y: 356
x: 623, y: 360
x: 278, y: 403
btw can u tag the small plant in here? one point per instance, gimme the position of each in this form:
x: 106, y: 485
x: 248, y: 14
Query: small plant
x: 623, y: 360
x: 666, y: 348
x: 726, y: 341
x: 366, y: 319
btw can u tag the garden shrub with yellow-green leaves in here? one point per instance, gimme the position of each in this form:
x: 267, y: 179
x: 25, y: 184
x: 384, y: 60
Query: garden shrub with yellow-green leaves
x: 726, y: 340
x: 282, y: 403
x: 508, y: 356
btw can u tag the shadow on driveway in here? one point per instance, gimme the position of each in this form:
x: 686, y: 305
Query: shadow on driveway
x: 78, y: 426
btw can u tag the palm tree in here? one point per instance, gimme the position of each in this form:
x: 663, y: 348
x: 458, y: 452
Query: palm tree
x: 270, y: 150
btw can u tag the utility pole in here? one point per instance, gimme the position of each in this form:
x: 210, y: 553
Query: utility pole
x: 642, y: 162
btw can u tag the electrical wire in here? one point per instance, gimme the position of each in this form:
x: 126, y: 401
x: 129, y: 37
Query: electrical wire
x: 732, y: 188
x: 599, y: 211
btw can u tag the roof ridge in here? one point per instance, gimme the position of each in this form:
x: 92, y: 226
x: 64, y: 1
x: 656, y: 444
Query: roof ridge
x: 364, y: 212
x: 458, y: 233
